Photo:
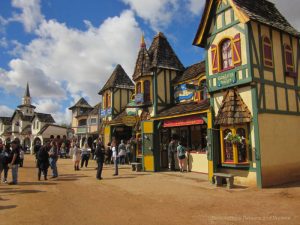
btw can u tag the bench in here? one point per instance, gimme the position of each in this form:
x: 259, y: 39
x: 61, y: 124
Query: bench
x: 218, y: 179
x: 136, y: 166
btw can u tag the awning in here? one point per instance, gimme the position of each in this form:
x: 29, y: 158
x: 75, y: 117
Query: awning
x: 184, y: 121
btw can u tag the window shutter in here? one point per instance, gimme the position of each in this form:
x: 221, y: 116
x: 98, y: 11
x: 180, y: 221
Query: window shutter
x: 237, y: 55
x: 214, y: 58
x: 267, y: 50
x: 289, y: 58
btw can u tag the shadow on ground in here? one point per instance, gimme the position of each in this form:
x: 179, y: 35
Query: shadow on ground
x: 7, y: 207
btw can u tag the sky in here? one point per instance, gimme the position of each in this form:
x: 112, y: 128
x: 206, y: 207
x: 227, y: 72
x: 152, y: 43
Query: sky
x: 67, y: 49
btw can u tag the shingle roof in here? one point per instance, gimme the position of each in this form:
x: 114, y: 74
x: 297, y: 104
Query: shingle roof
x: 118, y: 79
x: 143, y: 63
x: 44, y: 128
x: 82, y: 103
x: 162, y: 54
x: 266, y: 12
x: 184, y: 108
x: 95, y: 111
x: 5, y: 120
x: 43, y: 117
x: 26, y: 130
x: 233, y: 110
x: 191, y: 72
x: 8, y: 131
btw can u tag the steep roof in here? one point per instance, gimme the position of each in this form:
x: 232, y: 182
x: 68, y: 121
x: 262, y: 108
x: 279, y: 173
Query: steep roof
x: 43, y: 117
x: 82, y: 103
x: 185, y: 108
x: 233, y: 110
x: 95, y: 111
x: 143, y: 62
x: 261, y: 11
x: 44, y: 128
x: 162, y: 54
x: 191, y: 72
x: 266, y: 12
x: 5, y: 120
x: 118, y: 79
x: 27, y: 93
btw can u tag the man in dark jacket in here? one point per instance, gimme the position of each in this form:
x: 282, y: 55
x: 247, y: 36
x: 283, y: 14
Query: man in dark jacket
x: 43, y: 161
x: 99, y: 153
x: 171, y: 154
x: 15, y: 162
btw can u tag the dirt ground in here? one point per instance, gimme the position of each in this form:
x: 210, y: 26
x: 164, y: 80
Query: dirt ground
x: 140, y: 198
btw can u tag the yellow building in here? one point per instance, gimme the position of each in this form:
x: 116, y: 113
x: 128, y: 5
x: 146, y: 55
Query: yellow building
x: 252, y: 69
x: 85, y: 121
x: 116, y: 94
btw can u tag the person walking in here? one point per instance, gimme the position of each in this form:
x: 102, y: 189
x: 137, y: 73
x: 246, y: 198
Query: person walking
x: 43, y: 161
x: 22, y: 155
x: 36, y: 149
x: 181, y: 155
x: 128, y: 152
x: 99, y: 153
x: 14, y: 165
x: 108, y: 154
x: 85, y: 155
x: 76, y: 156
x: 114, y: 149
x: 53, y: 157
x: 171, y: 154
x: 6, y: 153
x: 122, y: 152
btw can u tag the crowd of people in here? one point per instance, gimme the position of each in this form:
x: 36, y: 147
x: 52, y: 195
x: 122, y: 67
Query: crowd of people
x: 47, y: 155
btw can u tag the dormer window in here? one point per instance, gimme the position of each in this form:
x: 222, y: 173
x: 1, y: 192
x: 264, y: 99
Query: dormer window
x: 226, y: 58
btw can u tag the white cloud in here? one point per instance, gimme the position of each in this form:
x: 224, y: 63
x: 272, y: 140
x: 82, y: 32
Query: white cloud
x: 6, y: 111
x: 196, y: 6
x: 63, y: 62
x: 30, y: 14
x: 158, y: 13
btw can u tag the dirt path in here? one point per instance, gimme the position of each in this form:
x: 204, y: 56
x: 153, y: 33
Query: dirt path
x: 139, y: 198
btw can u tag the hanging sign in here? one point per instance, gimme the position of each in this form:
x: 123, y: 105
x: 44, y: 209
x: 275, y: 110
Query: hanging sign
x: 131, y: 108
x: 129, y: 121
x: 139, y: 98
x: 184, y: 92
x: 226, y: 79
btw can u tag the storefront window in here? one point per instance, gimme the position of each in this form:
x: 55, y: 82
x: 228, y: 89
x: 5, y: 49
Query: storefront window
x: 241, y: 147
x: 228, y: 147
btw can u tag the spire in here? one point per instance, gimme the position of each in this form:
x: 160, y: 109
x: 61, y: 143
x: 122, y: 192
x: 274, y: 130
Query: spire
x: 143, y: 44
x: 27, y: 93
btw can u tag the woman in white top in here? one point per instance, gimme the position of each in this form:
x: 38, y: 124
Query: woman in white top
x: 76, y: 155
x: 114, y: 149
x: 85, y: 155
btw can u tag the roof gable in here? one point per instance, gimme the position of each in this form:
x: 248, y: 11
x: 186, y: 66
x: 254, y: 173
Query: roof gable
x: 191, y: 72
x: 43, y: 117
x: 82, y: 103
x: 261, y: 11
x: 5, y: 120
x: 118, y: 79
x: 233, y: 110
x: 162, y: 54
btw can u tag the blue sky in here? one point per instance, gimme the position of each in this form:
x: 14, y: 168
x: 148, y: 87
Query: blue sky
x: 68, y: 49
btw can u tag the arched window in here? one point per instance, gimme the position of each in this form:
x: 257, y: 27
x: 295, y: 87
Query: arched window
x: 138, y: 88
x: 288, y: 55
x: 147, y: 97
x: 228, y: 147
x: 267, y: 51
x: 226, y: 57
x: 242, y: 147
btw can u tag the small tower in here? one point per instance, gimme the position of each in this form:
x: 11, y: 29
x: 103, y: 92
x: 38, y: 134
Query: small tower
x: 26, y: 107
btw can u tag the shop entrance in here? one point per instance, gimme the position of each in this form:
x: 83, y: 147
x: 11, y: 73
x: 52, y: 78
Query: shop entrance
x: 121, y: 133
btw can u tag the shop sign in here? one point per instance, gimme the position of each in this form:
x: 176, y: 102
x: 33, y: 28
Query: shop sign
x: 184, y: 121
x: 139, y: 98
x: 132, y: 108
x: 184, y: 92
x: 105, y: 112
x: 226, y: 79
x: 129, y: 120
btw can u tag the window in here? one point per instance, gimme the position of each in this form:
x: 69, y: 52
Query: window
x: 226, y: 56
x: 147, y: 97
x: 288, y: 54
x: 138, y: 88
x: 82, y: 122
x: 233, y: 152
x: 93, y: 120
x: 267, y: 52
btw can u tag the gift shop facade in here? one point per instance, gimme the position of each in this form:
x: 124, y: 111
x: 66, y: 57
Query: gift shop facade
x: 252, y: 72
